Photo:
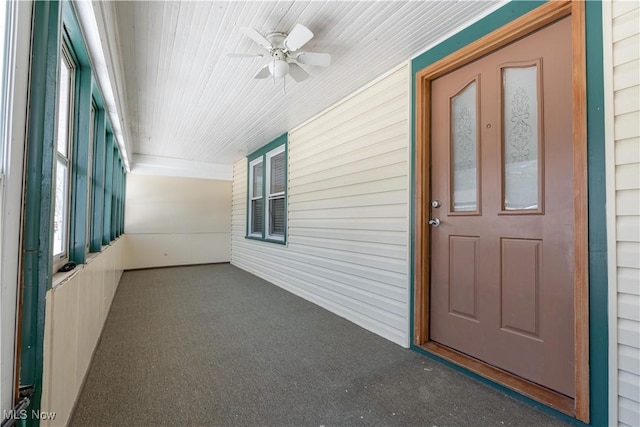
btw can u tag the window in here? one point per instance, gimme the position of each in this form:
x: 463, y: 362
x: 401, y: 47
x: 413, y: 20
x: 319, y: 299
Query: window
x: 256, y: 211
x: 267, y: 198
x: 92, y: 132
x: 63, y: 138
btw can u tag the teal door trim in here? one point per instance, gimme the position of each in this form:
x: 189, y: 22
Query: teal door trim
x: 38, y: 209
x: 598, y: 332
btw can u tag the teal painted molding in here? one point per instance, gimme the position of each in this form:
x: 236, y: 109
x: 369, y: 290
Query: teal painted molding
x: 598, y: 333
x: 72, y: 31
x: 85, y: 87
x: 97, y: 95
x: 124, y: 197
x: 36, y: 248
x: 598, y: 276
x: 121, y: 217
x: 108, y: 183
x: 79, y: 169
x: 282, y: 139
x: 261, y: 152
x: 97, y: 189
x: 117, y: 175
x: 114, y: 191
x: 489, y: 23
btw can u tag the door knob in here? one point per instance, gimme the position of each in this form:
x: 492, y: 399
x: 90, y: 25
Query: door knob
x: 435, y: 222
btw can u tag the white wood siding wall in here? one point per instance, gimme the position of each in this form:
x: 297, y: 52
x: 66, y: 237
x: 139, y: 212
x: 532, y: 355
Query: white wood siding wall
x: 348, y: 211
x: 76, y: 311
x: 624, y: 38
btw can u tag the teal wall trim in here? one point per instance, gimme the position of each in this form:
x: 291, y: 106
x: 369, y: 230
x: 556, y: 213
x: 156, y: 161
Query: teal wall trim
x: 124, y: 197
x: 97, y: 189
x: 79, y: 170
x: 108, y: 183
x: 114, y: 193
x: 80, y: 160
x: 598, y: 282
x: 38, y: 210
x: 282, y: 139
x: 596, y: 177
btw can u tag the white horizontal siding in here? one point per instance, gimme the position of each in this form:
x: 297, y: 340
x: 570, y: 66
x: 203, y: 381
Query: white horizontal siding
x: 348, y: 211
x: 622, y: 21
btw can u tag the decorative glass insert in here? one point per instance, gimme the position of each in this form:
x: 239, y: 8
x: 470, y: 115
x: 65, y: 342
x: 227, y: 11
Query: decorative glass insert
x: 464, y: 150
x: 520, y: 121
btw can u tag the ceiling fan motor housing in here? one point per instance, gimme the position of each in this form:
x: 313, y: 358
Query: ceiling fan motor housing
x: 277, y: 41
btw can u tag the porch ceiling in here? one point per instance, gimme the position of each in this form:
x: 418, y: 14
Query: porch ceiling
x: 186, y: 99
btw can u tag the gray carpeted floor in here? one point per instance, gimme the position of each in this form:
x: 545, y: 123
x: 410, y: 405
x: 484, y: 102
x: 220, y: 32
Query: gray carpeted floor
x: 214, y: 345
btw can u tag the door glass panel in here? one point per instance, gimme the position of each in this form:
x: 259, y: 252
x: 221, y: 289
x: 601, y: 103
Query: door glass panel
x: 464, y: 151
x: 520, y: 100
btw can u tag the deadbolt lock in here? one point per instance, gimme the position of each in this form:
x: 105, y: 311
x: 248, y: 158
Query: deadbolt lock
x: 436, y: 204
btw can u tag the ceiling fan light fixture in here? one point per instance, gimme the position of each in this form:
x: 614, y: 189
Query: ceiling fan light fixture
x: 279, y: 68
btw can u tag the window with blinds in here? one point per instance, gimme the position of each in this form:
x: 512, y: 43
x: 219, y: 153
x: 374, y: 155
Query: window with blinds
x: 277, y: 182
x: 267, y: 200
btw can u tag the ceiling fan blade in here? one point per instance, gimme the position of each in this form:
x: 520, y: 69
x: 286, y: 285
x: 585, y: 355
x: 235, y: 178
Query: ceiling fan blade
x: 297, y: 37
x: 297, y: 72
x: 263, y: 73
x: 244, y: 55
x: 256, y: 37
x: 313, y: 58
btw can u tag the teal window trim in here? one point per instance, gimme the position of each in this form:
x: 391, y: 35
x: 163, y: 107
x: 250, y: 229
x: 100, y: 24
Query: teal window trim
x: 262, y: 154
x: 66, y: 158
x: 38, y: 213
x: 81, y: 138
x: 598, y: 332
x: 79, y: 170
x: 55, y: 24
x: 108, y: 185
x: 97, y: 190
x: 114, y: 186
x: 124, y: 200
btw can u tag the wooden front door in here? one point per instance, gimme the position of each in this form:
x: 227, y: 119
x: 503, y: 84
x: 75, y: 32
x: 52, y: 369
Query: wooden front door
x: 502, y: 261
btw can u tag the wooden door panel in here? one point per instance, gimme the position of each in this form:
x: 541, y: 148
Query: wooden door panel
x: 463, y: 250
x: 502, y: 271
x: 521, y: 261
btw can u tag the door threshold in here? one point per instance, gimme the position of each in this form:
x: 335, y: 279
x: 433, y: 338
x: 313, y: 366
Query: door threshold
x: 541, y: 394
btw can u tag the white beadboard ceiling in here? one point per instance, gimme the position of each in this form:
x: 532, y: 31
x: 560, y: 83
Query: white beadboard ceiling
x: 185, y: 99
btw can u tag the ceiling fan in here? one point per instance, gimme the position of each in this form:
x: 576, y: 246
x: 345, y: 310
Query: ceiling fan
x: 283, y: 53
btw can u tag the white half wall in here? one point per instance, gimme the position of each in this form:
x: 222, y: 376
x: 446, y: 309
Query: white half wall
x: 77, y: 309
x: 348, y: 211
x: 176, y: 221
